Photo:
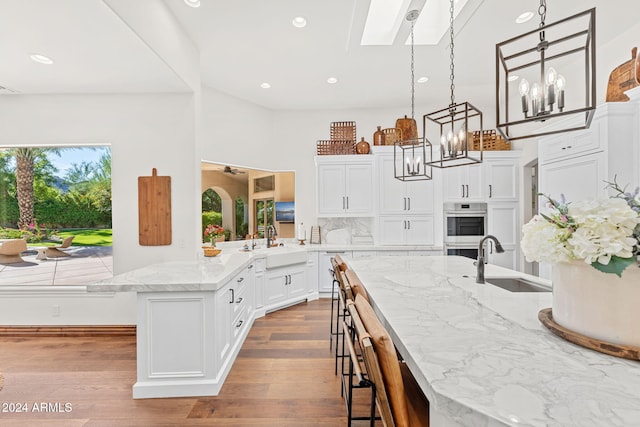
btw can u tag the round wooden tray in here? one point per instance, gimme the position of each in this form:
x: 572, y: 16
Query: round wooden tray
x: 625, y: 351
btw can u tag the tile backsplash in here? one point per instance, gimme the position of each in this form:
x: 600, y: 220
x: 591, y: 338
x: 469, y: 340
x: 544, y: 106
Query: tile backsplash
x: 346, y: 230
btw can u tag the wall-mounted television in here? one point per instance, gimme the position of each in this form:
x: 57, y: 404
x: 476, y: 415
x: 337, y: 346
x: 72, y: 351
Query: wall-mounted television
x: 285, y: 212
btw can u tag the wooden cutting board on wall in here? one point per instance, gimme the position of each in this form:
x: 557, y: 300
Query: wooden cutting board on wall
x: 154, y: 210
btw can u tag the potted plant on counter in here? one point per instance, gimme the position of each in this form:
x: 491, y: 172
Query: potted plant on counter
x: 594, y: 247
x: 212, y: 232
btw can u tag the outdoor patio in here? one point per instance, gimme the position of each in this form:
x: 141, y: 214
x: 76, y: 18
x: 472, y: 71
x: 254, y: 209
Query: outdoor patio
x: 86, y: 264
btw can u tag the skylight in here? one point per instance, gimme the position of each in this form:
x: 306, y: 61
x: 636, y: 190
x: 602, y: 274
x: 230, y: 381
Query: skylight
x: 385, y: 17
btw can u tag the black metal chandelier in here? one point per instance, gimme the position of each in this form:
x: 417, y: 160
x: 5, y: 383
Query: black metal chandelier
x: 410, y: 155
x: 536, y: 60
x: 454, y: 124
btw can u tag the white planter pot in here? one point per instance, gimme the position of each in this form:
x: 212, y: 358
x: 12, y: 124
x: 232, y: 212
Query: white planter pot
x: 598, y: 305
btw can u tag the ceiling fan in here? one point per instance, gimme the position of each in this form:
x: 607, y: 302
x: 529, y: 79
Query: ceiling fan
x: 232, y: 171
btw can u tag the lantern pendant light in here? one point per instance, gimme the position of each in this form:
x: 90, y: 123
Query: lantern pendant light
x: 410, y: 155
x: 456, y: 125
x: 534, y: 60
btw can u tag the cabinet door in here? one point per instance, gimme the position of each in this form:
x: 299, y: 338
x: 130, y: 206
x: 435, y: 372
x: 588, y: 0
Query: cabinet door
x: 502, y: 180
x: 392, y: 229
x: 297, y: 285
x: 359, y: 189
x: 474, y: 181
x: 420, y: 197
x: 325, y: 279
x: 419, y: 230
x: 392, y: 191
x: 502, y: 222
x: 276, y: 288
x: 464, y: 183
x: 506, y: 259
x: 455, y: 180
x: 331, y: 189
x: 578, y: 178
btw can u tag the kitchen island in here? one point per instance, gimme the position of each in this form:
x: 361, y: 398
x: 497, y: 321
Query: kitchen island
x: 481, y: 356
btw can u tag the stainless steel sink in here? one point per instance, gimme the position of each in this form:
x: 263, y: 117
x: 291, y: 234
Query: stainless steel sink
x: 517, y: 284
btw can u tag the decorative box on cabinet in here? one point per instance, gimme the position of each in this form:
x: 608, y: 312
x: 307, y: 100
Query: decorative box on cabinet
x: 344, y: 185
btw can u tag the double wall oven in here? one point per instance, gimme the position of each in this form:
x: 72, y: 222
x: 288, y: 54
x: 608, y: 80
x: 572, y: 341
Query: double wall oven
x: 464, y: 225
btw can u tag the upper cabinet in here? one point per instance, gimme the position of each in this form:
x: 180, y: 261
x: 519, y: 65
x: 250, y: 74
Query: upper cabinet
x: 398, y: 197
x: 345, y: 185
x: 495, y: 179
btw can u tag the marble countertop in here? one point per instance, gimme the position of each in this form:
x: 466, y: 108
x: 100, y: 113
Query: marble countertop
x: 205, y: 274
x: 482, y: 357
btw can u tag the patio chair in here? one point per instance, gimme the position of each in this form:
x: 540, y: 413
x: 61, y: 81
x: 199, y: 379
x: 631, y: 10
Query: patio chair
x: 55, y: 252
x: 10, y: 251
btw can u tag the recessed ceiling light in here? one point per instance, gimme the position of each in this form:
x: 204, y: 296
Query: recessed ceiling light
x: 513, y: 77
x: 332, y: 80
x: 524, y: 17
x: 423, y: 79
x: 299, y: 22
x: 265, y: 85
x: 192, y: 3
x: 41, y: 59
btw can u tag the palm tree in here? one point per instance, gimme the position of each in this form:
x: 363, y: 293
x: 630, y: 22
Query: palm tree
x: 26, y: 159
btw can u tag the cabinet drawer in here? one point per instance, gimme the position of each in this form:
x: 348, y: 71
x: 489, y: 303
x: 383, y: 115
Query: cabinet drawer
x: 239, y: 300
x: 571, y: 144
x: 239, y: 323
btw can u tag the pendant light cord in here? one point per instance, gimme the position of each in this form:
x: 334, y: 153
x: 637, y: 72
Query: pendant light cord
x: 413, y: 82
x: 451, y: 56
x: 542, y: 11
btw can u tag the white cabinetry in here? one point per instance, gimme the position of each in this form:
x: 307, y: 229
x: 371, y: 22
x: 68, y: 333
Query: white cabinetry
x: 495, y: 179
x: 234, y: 308
x: 398, y: 197
x: 464, y: 183
x: 577, y: 164
x: 406, y: 208
x: 406, y: 230
x: 344, y: 185
x: 503, y: 222
x: 325, y: 280
x: 285, y: 285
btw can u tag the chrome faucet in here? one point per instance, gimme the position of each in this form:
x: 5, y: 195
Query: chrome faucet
x: 271, y: 234
x: 480, y: 262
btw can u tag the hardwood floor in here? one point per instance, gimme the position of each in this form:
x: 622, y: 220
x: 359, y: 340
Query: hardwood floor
x: 283, y: 376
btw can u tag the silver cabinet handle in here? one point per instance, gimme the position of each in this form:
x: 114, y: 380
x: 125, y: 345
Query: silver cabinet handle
x: 409, y: 203
x: 250, y: 267
x: 462, y: 190
x: 239, y: 300
x: 240, y: 279
x: 404, y: 208
x: 233, y: 296
x: 347, y: 202
x: 490, y: 190
x: 467, y: 190
x: 239, y: 323
x: 343, y: 202
x: 408, y: 225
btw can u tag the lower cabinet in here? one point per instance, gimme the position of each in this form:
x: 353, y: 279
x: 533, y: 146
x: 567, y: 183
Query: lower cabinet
x: 325, y: 278
x: 285, y: 284
x: 503, y: 222
x: 234, y: 307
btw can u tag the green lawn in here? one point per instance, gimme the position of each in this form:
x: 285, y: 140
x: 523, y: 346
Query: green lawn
x: 84, y: 237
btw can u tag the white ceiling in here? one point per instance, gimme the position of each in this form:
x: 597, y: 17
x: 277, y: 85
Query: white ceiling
x: 245, y: 43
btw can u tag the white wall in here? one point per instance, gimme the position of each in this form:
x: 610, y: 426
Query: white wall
x: 144, y: 131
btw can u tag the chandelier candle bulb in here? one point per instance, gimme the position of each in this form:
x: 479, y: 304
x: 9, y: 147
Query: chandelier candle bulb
x: 561, y: 83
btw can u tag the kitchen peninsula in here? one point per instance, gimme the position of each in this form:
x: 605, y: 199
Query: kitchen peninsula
x: 481, y: 356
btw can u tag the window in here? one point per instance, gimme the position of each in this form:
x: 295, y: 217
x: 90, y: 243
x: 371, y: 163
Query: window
x: 264, y: 215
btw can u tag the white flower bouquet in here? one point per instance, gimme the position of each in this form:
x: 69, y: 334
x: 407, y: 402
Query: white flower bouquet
x: 604, y: 233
